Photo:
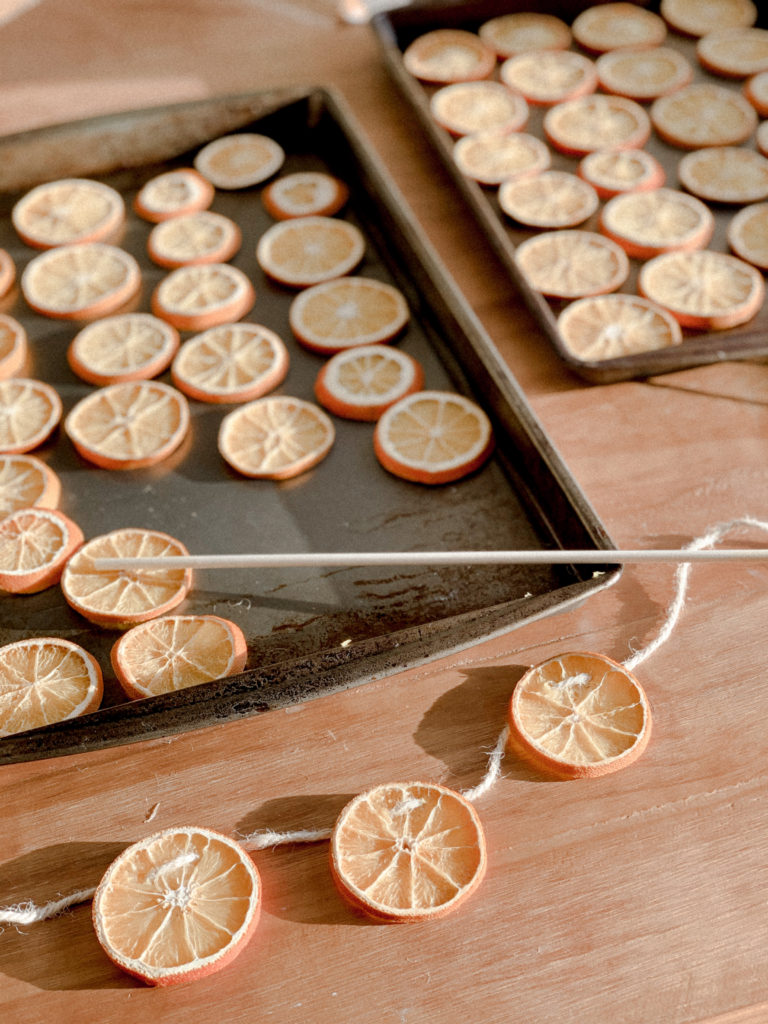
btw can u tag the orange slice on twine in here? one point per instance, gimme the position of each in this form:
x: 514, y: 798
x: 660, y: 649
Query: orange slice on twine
x: 618, y: 25
x: 45, y: 680
x: 734, y: 52
x: 173, y: 194
x: 129, y: 346
x: 81, y: 281
x: 177, y: 651
x: 612, y: 326
x: 193, y: 238
x: 13, y: 346
x: 645, y: 224
x: 643, y: 74
x: 449, y: 55
x: 552, y: 199
x: 231, y: 363
x: 195, y: 298
x: 703, y: 114
x: 275, y: 438
x: 490, y: 158
x: 545, y: 78
x: 433, y: 437
x: 755, y: 90
x: 26, y: 482
x: 612, y: 172
x: 409, y: 851
x: 35, y: 544
x: 177, y: 906
x: 305, y: 194
x: 510, y: 34
x: 725, y: 174
x: 347, y: 312
x: 704, y: 290
x: 7, y: 272
x: 30, y: 411
x: 66, y: 211
x: 360, y: 383
x: 466, y: 107
x: 694, y: 18
x: 572, y: 264
x: 119, y: 598
x: 307, y: 250
x: 130, y: 425
x: 239, y: 161
x: 748, y: 235
x: 580, y: 715
x: 577, y: 127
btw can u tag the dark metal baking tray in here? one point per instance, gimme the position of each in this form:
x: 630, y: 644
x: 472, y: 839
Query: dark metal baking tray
x: 309, y: 631
x: 396, y: 29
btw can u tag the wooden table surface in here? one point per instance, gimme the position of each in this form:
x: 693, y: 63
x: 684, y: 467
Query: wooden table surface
x: 637, y: 898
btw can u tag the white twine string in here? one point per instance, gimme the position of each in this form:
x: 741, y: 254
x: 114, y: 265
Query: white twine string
x: 28, y: 912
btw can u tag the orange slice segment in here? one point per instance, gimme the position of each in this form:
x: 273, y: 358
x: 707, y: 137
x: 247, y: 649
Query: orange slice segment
x: 360, y: 383
x: 347, y: 312
x: 129, y: 346
x: 612, y: 326
x: 66, y: 211
x: 177, y: 651
x: 725, y: 174
x: 618, y: 25
x: 173, y: 194
x: 30, y: 410
x: 510, y: 34
x: 45, y: 680
x: 643, y: 74
x: 193, y: 238
x: 305, y: 194
x: 703, y: 114
x: 409, y: 851
x: 177, y: 906
x: 645, y: 224
x: 612, y: 172
x: 580, y: 715
x: 449, y: 55
x: 239, y: 161
x: 433, y: 437
x: 756, y: 91
x: 577, y: 127
x: 748, y: 235
x: 545, y: 78
x: 81, y: 281
x: 466, y: 107
x: 197, y: 297
x: 13, y: 346
x: 26, y: 482
x: 490, y: 158
x: 734, y: 52
x: 694, y: 18
x: 7, y: 272
x: 231, y: 363
x: 119, y: 598
x: 35, y: 544
x: 307, y: 250
x: 572, y: 264
x: 553, y: 199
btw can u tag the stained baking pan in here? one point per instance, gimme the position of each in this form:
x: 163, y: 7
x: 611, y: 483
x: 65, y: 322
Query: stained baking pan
x: 309, y: 631
x: 396, y: 29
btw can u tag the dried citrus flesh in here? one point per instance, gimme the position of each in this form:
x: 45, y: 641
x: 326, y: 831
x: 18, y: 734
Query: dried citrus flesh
x: 409, y: 851
x: 643, y: 74
x: 172, y: 194
x: 545, y: 78
x: 580, y: 715
x: 748, y: 235
x: 240, y: 160
x: 612, y: 172
x: 26, y: 482
x: 129, y: 425
x: 360, y: 383
x: 612, y: 326
x: 82, y: 281
x: 197, y: 297
x: 704, y: 289
x: 177, y: 651
x: 570, y: 264
x: 703, y: 114
x: 45, y: 680
x: 612, y: 26
x: 231, y: 363
x: 66, y: 211
x: 449, y: 55
x: 734, y: 52
x: 30, y: 410
x: 275, y: 438
x: 192, y: 238
x: 347, y: 312
x: 7, y: 272
x: 509, y: 34
x: 756, y: 91
x: 466, y: 107
x: 35, y: 544
x: 490, y: 158
x: 552, y: 199
x: 307, y: 250
x: 698, y: 17
x: 725, y: 174
x: 645, y: 224
x: 576, y: 127
x: 305, y: 194
x: 119, y: 598
x: 433, y: 437
x: 177, y: 905
x: 128, y: 346
x: 13, y: 346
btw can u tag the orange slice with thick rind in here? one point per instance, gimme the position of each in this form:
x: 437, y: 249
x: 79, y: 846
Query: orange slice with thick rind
x: 172, y: 194
x: 580, y: 126
x: 347, y: 312
x: 81, y: 281
x: 703, y: 114
x: 521, y: 32
x: 647, y: 223
x: 611, y: 26
x: 240, y: 160
x: 68, y: 210
x: 35, y: 544
x: 361, y: 383
x: 612, y: 326
x: 129, y: 346
x: 545, y: 77
x: 572, y: 263
x: 466, y: 107
x: 27, y: 482
x: 195, y: 298
x: 449, y: 55
x: 30, y: 411
x: 308, y: 250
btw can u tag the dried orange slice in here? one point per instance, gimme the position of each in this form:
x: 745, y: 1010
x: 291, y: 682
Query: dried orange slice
x: 119, y: 598
x: 305, y: 194
x: 694, y: 18
x: 725, y: 174
x: 81, y: 281
x: 13, y: 346
x: 580, y: 715
x: 409, y: 851
x: 68, y: 210
x: 645, y: 224
x: 433, y: 437
x: 195, y: 298
x: 26, y: 482
x: 612, y: 172
x: 612, y: 26
x: 347, y: 312
x: 177, y: 906
x: 612, y: 326
x: 761, y: 137
x: 360, y: 383
x: 748, y: 235
x: 30, y: 411
x: 7, y: 272
x: 572, y: 264
x: 35, y: 544
x: 231, y: 363
x: 449, y: 55
x: 490, y: 158
x: 45, y: 680
x: 239, y: 161
x: 643, y: 74
x: 172, y: 194
x: 129, y: 425
x: 705, y: 290
x: 734, y: 52
x: 275, y: 438
x: 177, y: 651
x: 129, y: 346
x: 307, y: 250
x: 466, y: 107
x: 577, y: 127
x: 193, y: 238
x: 756, y: 91
x: 545, y: 77
x: 703, y: 114
x: 510, y: 34
x: 553, y: 199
